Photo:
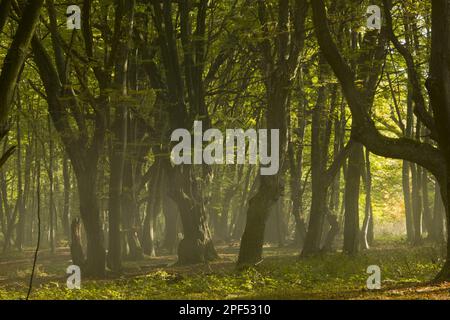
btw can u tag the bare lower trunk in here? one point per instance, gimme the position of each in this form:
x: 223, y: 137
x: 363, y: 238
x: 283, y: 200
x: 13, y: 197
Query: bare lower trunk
x: 90, y: 215
x: 352, y: 184
x: 437, y: 233
x: 196, y: 245
x: 171, y: 225
x: 130, y: 214
x: 76, y: 249
x: 257, y: 214
x: 444, y: 274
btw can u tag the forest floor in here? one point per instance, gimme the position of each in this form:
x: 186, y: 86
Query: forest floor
x: 405, y: 271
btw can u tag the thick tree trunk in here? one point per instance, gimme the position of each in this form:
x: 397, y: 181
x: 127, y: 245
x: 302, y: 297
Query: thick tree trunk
x: 316, y: 220
x: 444, y: 185
x: 90, y: 215
x: 258, y: 212
x: 351, y: 200
x: 196, y: 245
x: 170, y: 225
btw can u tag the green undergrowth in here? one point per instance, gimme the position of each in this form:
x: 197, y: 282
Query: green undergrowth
x: 330, y: 276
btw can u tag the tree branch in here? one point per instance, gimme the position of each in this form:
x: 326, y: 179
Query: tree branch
x: 364, y: 130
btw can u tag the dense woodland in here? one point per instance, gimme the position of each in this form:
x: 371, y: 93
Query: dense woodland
x: 86, y: 117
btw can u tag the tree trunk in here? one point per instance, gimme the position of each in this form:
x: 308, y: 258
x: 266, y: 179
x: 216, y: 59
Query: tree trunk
x: 196, y: 245
x: 351, y: 200
x: 90, y: 215
x: 130, y: 217
x: 76, y: 249
x: 153, y: 207
x: 170, y: 225
x: 332, y: 233
x: 437, y: 232
x: 258, y: 212
x: 318, y: 187
x: 368, y: 215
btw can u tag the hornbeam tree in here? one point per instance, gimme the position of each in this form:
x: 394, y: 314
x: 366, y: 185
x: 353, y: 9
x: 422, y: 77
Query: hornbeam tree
x: 183, y: 79
x: 81, y: 119
x: 279, y: 56
x: 435, y: 158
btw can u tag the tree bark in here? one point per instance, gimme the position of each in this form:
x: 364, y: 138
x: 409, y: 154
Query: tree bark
x: 351, y: 200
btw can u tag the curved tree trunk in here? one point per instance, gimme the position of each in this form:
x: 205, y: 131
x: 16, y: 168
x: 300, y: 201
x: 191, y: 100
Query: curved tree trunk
x: 257, y: 214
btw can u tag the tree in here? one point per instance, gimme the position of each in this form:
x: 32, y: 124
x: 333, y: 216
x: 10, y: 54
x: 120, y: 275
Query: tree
x: 278, y: 62
x: 435, y: 159
x: 81, y: 120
